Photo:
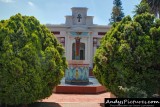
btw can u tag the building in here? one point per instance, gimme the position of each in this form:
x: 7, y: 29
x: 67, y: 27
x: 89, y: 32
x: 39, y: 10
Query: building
x: 79, y: 36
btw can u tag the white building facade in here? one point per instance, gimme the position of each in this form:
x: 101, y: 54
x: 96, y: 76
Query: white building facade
x: 79, y: 35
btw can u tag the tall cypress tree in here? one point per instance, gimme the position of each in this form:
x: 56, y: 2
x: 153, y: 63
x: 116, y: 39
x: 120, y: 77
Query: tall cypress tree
x: 117, y: 13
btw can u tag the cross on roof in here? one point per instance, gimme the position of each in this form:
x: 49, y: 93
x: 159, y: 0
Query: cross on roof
x: 79, y: 17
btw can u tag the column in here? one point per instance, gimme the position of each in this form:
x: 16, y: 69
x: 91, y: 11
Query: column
x: 67, y: 46
x: 90, y: 50
x: 94, y: 45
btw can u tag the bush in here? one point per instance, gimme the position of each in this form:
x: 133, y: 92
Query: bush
x: 129, y: 56
x: 31, y: 60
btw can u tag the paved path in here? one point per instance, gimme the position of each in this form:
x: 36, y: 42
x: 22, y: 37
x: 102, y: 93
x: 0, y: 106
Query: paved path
x: 77, y: 100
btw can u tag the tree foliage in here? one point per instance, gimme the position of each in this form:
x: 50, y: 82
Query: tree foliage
x: 31, y: 60
x: 117, y: 13
x: 128, y: 60
x: 142, y: 8
x: 154, y: 6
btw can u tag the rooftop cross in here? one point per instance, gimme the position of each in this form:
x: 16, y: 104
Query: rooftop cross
x: 79, y: 17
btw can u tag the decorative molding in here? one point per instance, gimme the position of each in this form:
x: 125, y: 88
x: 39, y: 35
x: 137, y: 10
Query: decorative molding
x: 79, y: 33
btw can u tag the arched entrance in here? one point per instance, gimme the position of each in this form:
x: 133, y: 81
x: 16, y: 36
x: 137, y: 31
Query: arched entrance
x: 81, y: 52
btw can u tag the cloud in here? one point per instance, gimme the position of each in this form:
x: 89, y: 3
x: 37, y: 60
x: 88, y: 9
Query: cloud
x: 30, y: 3
x: 7, y: 1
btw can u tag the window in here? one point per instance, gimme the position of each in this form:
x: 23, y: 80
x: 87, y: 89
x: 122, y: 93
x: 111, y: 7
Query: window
x: 101, y: 33
x: 56, y: 32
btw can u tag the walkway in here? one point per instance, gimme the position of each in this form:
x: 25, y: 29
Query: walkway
x: 77, y: 100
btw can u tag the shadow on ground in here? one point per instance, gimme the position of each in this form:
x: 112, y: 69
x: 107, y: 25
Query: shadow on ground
x: 52, y: 104
x: 44, y: 104
x: 37, y: 104
x: 101, y: 105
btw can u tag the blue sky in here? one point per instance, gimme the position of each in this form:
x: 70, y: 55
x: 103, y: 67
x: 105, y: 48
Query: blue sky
x: 53, y: 11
